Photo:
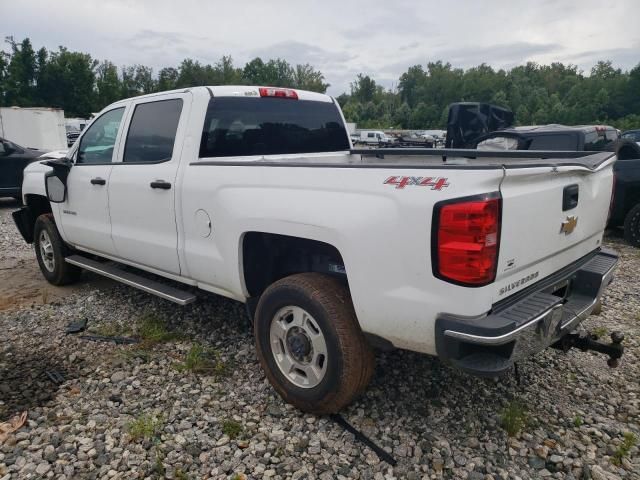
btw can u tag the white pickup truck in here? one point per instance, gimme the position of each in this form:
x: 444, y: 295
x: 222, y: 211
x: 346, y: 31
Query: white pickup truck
x: 478, y: 257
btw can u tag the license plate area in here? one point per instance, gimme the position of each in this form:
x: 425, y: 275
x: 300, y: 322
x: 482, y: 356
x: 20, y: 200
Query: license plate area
x: 561, y: 289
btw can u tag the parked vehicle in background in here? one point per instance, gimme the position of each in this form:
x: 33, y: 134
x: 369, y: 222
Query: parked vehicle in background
x: 633, y: 135
x: 13, y: 160
x: 625, y: 209
x: 254, y: 193
x: 373, y: 137
x: 39, y: 128
x: 72, y: 135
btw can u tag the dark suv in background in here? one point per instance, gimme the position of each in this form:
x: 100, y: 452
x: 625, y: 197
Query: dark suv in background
x: 486, y: 127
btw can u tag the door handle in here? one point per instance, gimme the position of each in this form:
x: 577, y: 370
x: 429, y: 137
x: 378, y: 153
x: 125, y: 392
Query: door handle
x: 160, y: 184
x: 98, y: 181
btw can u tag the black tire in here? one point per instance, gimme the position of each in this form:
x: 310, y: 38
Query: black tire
x: 632, y: 226
x: 51, y: 260
x: 350, y: 360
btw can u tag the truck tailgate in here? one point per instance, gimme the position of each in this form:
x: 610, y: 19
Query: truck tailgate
x: 551, y: 217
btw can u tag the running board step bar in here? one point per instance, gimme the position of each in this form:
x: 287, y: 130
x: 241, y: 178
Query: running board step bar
x: 112, y: 271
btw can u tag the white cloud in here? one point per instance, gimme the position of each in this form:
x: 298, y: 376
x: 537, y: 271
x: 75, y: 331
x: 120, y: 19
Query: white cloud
x: 340, y: 38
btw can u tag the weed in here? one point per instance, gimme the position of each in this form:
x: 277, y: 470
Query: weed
x: 45, y: 296
x: 111, y: 330
x: 200, y: 359
x: 144, y: 426
x: 625, y: 447
x: 158, y: 466
x: 231, y: 429
x: 577, y: 421
x: 153, y: 329
x: 514, y: 418
x: 180, y: 475
x: 600, y: 332
x: 137, y: 353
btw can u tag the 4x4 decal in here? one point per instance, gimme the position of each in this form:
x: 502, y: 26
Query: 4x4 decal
x: 436, y: 183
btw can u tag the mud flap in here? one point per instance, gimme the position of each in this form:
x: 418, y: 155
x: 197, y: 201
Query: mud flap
x: 25, y: 222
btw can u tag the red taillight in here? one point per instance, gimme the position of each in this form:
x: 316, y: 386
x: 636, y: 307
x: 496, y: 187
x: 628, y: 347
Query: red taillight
x: 278, y: 93
x: 466, y: 241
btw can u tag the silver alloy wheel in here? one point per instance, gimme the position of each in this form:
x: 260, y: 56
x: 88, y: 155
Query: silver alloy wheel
x: 46, y: 251
x: 298, y: 346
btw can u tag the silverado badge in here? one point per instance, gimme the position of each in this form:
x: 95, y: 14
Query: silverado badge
x: 569, y: 225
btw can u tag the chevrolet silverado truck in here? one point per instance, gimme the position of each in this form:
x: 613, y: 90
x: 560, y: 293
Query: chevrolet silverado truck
x: 256, y: 194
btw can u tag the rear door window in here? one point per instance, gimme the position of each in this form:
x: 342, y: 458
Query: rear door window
x: 152, y: 132
x: 236, y: 126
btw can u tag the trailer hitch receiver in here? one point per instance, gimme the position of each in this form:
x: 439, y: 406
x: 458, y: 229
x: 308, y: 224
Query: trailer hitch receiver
x: 589, y: 341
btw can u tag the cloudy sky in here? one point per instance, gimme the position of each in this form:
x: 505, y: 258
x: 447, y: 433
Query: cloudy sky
x: 340, y: 38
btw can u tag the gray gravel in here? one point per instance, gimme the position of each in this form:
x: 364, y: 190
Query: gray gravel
x: 227, y: 422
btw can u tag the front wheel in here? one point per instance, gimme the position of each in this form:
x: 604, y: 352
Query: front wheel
x: 310, y: 344
x: 50, y: 252
x: 632, y: 226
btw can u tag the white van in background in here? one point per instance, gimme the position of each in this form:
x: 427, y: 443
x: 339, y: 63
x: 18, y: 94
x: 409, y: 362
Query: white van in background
x: 371, y: 137
x: 39, y: 128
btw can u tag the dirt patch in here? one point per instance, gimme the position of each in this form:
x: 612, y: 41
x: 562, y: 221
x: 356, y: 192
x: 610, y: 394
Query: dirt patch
x: 22, y: 284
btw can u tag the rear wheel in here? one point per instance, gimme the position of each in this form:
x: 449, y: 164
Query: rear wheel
x: 632, y: 226
x: 50, y: 252
x: 310, y: 344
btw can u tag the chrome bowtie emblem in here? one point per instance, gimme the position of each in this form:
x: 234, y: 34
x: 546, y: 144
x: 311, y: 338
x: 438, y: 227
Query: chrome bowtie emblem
x: 569, y: 225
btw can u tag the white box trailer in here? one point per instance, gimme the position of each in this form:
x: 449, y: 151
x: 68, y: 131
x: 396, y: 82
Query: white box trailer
x: 40, y: 128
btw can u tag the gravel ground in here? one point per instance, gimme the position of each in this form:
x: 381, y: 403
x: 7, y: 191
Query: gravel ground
x: 190, y: 401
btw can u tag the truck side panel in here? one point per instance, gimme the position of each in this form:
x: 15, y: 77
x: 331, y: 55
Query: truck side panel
x: 382, y: 232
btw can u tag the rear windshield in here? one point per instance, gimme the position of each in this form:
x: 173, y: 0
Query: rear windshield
x: 563, y: 142
x: 237, y: 126
x: 599, y: 140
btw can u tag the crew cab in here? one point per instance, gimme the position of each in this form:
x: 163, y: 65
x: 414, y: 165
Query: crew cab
x: 256, y: 194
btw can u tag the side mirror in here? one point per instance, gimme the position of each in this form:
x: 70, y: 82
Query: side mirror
x: 56, y: 180
x: 56, y: 188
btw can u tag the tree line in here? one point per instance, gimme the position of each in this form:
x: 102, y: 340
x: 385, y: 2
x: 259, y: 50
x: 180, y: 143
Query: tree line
x: 537, y: 94
x: 80, y: 84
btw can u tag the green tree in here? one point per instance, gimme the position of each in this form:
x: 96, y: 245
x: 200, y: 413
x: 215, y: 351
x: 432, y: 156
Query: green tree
x: 108, y: 87
x: 20, y: 84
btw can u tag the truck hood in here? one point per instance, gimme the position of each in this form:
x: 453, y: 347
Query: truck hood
x: 54, y: 154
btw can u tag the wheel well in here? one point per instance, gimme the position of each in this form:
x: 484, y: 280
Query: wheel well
x: 268, y: 257
x: 36, y: 205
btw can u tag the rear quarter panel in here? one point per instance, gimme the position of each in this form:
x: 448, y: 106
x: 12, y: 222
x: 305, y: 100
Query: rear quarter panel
x: 382, y: 232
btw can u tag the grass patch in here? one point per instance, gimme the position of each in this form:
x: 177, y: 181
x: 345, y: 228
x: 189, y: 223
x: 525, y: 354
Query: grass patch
x: 231, y: 429
x: 200, y: 359
x: 577, y: 421
x: 629, y: 441
x: 111, y: 329
x: 600, y: 332
x: 180, y: 475
x: 158, y: 465
x: 144, y: 426
x: 514, y: 418
x: 153, y: 329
